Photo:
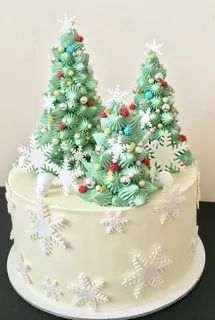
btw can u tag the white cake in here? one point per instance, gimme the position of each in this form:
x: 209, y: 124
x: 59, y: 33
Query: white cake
x: 103, y: 258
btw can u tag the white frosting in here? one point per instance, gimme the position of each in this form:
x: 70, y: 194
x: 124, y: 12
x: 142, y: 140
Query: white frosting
x: 106, y: 257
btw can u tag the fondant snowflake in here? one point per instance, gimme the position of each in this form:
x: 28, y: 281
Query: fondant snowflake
x: 45, y: 229
x: 154, y: 46
x: 67, y: 24
x: 117, y: 148
x: 79, y: 155
x: 169, y: 206
x: 48, y: 103
x: 198, y: 189
x: 147, y: 271
x: 10, y: 207
x: 22, y: 267
x: 36, y: 157
x: 164, y: 155
x: 52, y: 289
x: 88, y: 292
x: 114, y: 221
x: 194, y: 242
x: 66, y: 177
x: 145, y: 119
x: 117, y: 96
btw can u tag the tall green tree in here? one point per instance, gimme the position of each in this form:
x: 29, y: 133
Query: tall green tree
x: 154, y: 99
x: 71, y: 106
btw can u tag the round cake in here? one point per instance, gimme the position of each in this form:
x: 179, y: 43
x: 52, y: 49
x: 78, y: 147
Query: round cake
x: 101, y: 258
x: 103, y: 199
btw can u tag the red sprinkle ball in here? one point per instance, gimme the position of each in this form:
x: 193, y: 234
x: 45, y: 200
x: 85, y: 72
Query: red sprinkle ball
x: 124, y: 112
x: 82, y: 188
x: 90, y: 103
x: 61, y: 126
x: 182, y: 138
x: 146, y: 161
x: 132, y: 106
x: 102, y: 115
x: 164, y: 84
x: 79, y: 38
x: 114, y: 167
x: 60, y: 75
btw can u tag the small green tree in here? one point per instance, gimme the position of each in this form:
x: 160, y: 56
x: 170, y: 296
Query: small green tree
x: 118, y: 173
x: 154, y: 99
x: 71, y: 108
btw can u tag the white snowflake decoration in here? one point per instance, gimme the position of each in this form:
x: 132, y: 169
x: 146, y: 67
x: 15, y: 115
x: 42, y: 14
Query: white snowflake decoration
x: 10, y: 207
x: 36, y: 157
x: 154, y: 46
x: 114, y: 221
x: 45, y: 229
x: 146, y: 272
x: 170, y: 206
x: 198, y: 189
x: 145, y: 120
x: 52, y: 289
x: 48, y: 103
x: 22, y: 267
x: 88, y: 292
x: 67, y: 24
x: 194, y: 242
x: 79, y: 155
x: 164, y: 155
x: 67, y: 178
x: 117, y: 148
x: 117, y: 95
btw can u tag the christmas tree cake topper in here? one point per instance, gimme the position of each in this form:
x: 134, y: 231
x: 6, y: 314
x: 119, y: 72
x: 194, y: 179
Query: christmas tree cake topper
x: 153, y: 97
x: 119, y: 171
x: 64, y: 135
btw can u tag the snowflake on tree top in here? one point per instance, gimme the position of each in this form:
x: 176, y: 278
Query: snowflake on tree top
x: 154, y: 99
x: 71, y: 105
x: 118, y: 173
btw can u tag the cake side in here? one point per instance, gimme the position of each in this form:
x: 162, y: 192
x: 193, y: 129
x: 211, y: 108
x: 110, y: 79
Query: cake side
x: 83, y: 243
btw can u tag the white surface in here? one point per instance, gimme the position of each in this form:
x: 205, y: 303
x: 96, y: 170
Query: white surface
x: 108, y: 257
x: 115, y: 33
x: 42, y: 303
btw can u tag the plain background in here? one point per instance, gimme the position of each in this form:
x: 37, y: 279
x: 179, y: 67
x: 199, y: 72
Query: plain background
x: 115, y: 33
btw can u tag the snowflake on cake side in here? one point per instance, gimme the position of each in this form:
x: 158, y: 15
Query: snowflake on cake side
x: 114, y: 221
x: 164, y: 155
x: 194, y: 242
x: 67, y: 178
x: 36, y: 157
x: 10, y: 207
x: 170, y: 205
x: 22, y: 267
x: 147, y: 271
x: 87, y: 292
x: 45, y: 228
x: 52, y: 289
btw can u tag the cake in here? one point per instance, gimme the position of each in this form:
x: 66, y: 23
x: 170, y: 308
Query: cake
x: 103, y: 202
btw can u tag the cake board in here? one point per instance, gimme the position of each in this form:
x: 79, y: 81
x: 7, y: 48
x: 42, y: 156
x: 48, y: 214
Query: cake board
x: 43, y: 303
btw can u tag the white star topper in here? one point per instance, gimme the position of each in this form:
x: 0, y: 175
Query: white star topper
x: 68, y: 24
x: 155, y: 47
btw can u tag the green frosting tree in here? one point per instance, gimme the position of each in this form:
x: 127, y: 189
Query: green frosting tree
x: 154, y: 99
x: 64, y: 135
x: 118, y: 173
